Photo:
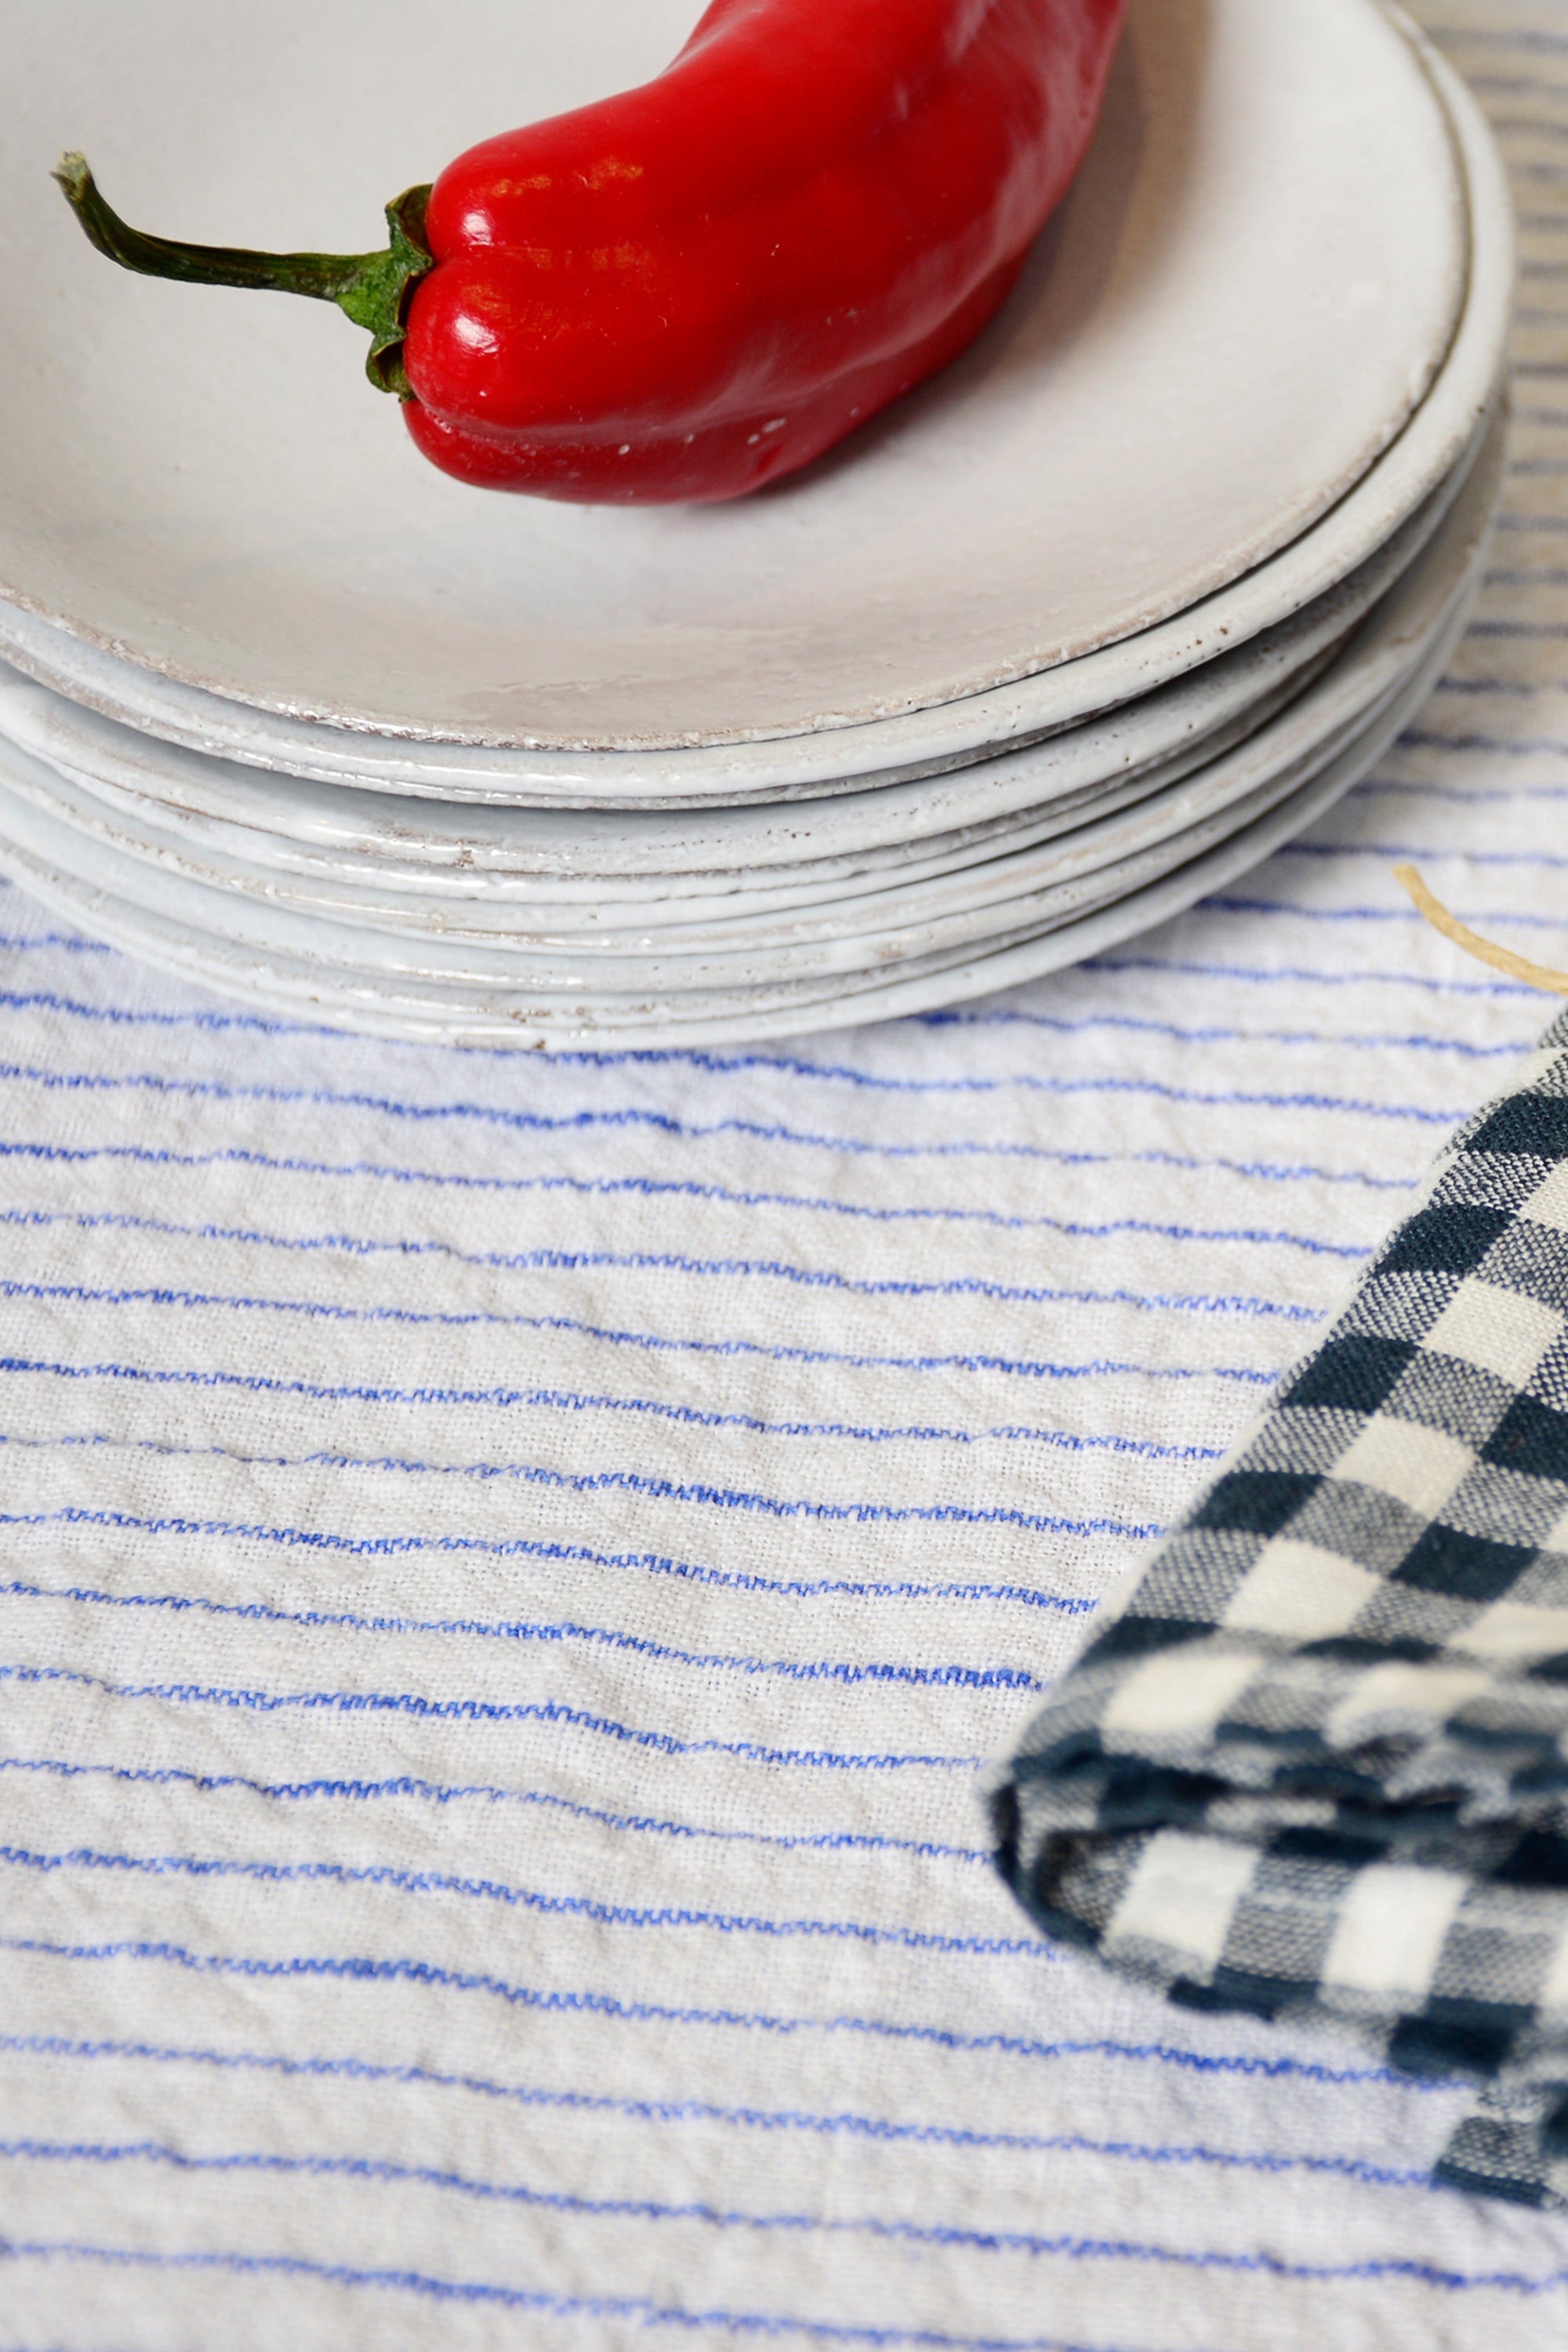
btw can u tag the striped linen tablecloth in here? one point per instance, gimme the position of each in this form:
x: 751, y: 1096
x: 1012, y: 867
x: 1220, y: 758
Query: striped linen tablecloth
x: 516, y: 1573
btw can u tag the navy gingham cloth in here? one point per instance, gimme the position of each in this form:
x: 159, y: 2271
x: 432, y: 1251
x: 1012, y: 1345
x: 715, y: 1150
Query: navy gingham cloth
x: 1313, y: 1762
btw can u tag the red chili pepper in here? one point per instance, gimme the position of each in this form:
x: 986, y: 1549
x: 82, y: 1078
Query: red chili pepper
x: 692, y: 288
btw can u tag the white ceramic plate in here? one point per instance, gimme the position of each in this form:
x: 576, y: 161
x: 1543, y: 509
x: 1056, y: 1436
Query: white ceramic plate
x: 725, y: 988
x: 1242, y: 305
x: 461, y: 904
x: 745, y: 953
x: 788, y: 854
x: 1008, y: 897
x: 588, y: 865
x: 1037, y: 882
x: 277, y: 984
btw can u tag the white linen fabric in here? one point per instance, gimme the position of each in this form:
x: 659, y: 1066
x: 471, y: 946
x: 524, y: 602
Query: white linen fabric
x: 514, y: 1571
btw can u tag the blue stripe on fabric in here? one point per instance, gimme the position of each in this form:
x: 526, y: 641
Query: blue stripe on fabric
x: 849, y: 1673
x: 846, y: 1073
x: 666, y: 1261
x: 386, y: 1877
x: 417, y: 1708
x: 657, y: 1189
x: 393, y: 1547
x: 1526, y: 747
x: 655, y: 1489
x: 33, y: 942
x: 583, y: 1122
x: 178, y: 1605
x: 646, y: 2311
x: 462, y: 1319
x: 260, y: 1383
x: 116, y: 1016
x: 834, y: 1072
x: 564, y: 1633
x: 1505, y: 920
x: 574, y: 1401
x: 369, y: 1792
x: 425, y: 1975
x: 383, y: 2172
x: 1070, y: 2247
x: 1379, y: 787
x: 1429, y: 851
x: 1276, y: 975
x: 839, y: 2123
x: 1011, y: 1017
x: 639, y: 1188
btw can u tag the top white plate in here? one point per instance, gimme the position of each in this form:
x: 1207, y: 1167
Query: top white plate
x: 1243, y: 302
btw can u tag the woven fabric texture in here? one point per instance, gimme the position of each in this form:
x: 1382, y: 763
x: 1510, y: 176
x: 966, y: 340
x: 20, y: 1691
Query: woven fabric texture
x: 1314, y: 1761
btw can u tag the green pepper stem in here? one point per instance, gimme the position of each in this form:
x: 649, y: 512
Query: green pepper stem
x: 373, y: 288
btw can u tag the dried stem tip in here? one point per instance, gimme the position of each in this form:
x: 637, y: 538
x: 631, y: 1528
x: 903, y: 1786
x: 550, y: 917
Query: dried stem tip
x: 374, y: 289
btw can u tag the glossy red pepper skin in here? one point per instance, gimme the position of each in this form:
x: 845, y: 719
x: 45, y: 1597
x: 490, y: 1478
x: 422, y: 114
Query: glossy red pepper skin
x: 697, y: 287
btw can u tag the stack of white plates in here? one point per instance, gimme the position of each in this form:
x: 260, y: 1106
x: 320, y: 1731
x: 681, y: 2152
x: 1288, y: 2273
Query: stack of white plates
x: 1049, y: 650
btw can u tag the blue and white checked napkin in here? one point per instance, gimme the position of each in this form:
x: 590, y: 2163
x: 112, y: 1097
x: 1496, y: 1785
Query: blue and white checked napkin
x: 1314, y: 1763
x: 515, y: 1574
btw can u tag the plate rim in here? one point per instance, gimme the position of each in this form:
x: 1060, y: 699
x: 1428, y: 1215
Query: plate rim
x: 983, y: 974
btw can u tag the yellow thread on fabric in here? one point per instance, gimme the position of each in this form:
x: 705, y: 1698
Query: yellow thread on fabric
x: 1500, y: 958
